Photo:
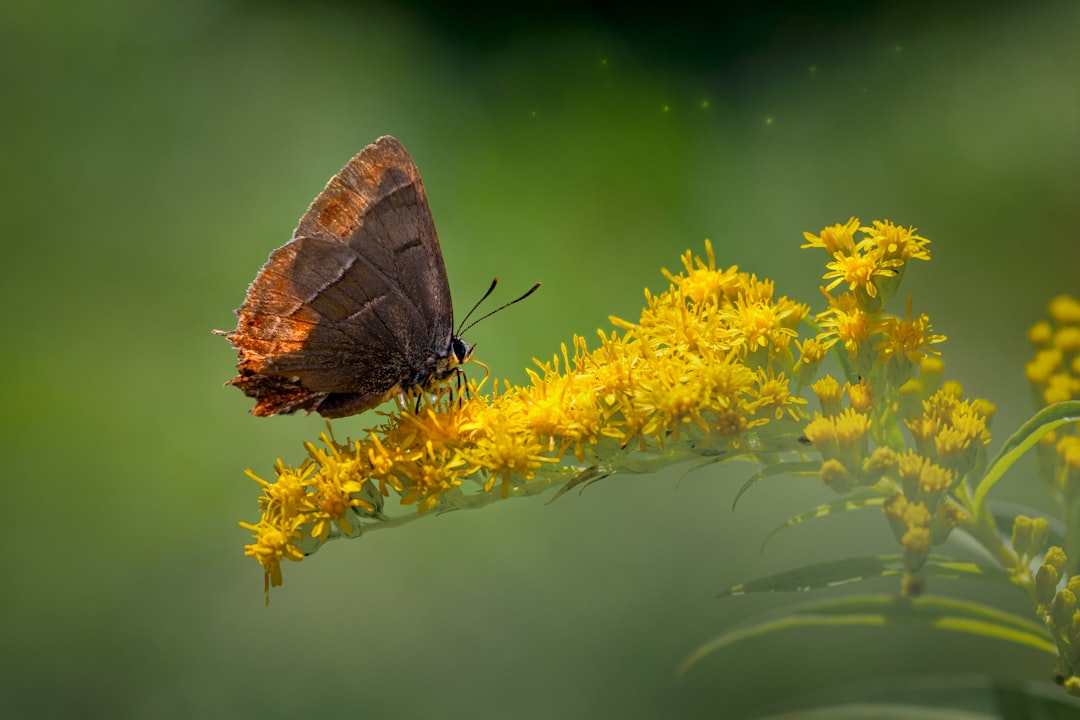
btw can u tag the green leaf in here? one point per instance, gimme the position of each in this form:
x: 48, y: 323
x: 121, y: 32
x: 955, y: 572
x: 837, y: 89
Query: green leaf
x: 928, y: 697
x: 948, y: 614
x: 1021, y: 441
x: 843, y: 505
x: 849, y: 570
x: 782, y: 468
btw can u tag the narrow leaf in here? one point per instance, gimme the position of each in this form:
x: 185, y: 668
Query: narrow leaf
x: 939, y: 613
x: 584, y: 478
x: 782, y: 468
x: 844, y: 505
x: 1022, y: 440
x: 849, y: 570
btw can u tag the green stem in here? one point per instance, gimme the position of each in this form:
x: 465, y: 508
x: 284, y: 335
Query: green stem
x: 983, y: 531
x: 1072, y: 527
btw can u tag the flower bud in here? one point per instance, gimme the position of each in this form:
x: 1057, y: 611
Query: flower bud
x: 1046, y: 580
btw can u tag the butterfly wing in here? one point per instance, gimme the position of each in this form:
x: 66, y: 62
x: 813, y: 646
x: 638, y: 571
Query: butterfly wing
x: 356, y: 304
x: 378, y: 206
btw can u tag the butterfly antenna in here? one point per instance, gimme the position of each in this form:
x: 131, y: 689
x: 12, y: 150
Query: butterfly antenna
x: 529, y: 292
x: 494, y: 282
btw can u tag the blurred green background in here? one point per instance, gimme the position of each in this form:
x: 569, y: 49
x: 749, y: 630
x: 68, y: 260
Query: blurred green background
x: 155, y: 152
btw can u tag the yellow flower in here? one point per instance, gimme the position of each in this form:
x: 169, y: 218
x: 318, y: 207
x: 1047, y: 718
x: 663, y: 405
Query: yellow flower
x: 772, y: 393
x: 916, y: 543
x: 1067, y: 339
x: 271, y: 546
x: 1065, y: 310
x: 851, y: 326
x: 947, y: 517
x: 430, y: 473
x: 830, y: 395
x: 562, y: 410
x: 838, y: 239
x: 836, y: 476
x: 1061, y: 387
x: 860, y: 272
x: 760, y: 324
x: 502, y: 446
x: 702, y: 281
x: 861, y: 396
x: 904, y: 345
x: 894, y: 242
x: 881, y: 461
x: 811, y: 354
x: 951, y: 431
x: 841, y: 437
x: 1041, y: 334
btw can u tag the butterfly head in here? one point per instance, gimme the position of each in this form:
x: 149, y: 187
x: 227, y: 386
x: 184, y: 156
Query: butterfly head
x: 460, y: 350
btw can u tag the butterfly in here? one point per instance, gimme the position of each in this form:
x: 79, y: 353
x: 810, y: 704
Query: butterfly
x: 355, y: 308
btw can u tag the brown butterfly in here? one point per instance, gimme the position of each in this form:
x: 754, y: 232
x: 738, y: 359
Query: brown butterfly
x: 355, y: 308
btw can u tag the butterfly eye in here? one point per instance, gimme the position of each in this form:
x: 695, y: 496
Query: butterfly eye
x: 461, y: 349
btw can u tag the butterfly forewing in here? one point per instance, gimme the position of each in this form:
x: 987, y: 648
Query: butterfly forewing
x: 378, y: 206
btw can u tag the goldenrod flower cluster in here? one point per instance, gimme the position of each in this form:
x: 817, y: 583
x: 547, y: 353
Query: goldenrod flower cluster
x: 1054, y: 376
x: 894, y: 384
x: 713, y: 369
